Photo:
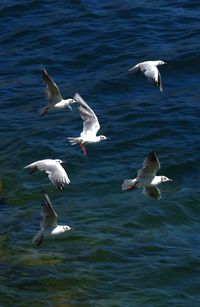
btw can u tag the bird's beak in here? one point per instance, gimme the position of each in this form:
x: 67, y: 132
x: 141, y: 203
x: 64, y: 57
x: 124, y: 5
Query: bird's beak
x: 170, y: 180
x: 70, y: 108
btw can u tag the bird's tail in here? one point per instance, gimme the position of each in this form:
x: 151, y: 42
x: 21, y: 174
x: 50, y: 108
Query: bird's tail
x: 74, y: 141
x: 128, y: 184
x: 38, y: 238
x: 32, y: 168
x: 28, y: 166
x: 135, y: 69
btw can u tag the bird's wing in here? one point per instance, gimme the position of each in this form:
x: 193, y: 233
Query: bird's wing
x: 152, y: 191
x: 159, y: 82
x: 151, y: 165
x: 58, y: 176
x: 52, y: 91
x: 152, y: 73
x: 49, y: 216
x: 90, y: 121
x: 55, y: 171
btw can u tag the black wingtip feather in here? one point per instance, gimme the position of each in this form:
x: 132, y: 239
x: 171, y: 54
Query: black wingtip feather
x: 46, y: 204
x: 152, y: 156
x: 44, y: 73
x: 60, y: 187
x: 46, y: 76
x: 40, y: 241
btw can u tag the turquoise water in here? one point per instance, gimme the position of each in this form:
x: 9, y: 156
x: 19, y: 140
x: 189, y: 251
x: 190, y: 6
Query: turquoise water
x: 125, y: 249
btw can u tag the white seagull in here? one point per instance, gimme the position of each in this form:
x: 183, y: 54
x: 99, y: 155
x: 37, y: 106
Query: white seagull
x: 90, y: 126
x: 146, y: 177
x: 48, y: 224
x: 53, y: 168
x: 150, y: 70
x: 55, y: 100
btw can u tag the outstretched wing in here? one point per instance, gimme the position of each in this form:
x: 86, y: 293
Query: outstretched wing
x: 152, y: 73
x: 52, y: 90
x: 58, y: 176
x: 151, y: 165
x: 90, y: 121
x: 55, y: 171
x: 49, y: 216
x: 152, y: 191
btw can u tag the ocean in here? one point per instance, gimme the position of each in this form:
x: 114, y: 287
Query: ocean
x: 125, y: 249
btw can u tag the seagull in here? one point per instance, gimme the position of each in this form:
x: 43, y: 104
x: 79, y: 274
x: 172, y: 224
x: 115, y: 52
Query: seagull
x: 55, y: 100
x: 53, y: 168
x: 146, y: 177
x: 90, y: 126
x: 150, y: 70
x: 48, y: 224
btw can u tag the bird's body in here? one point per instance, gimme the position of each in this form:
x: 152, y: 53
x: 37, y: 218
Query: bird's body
x: 150, y: 70
x: 48, y: 224
x: 53, y: 168
x: 146, y: 177
x: 55, y: 100
x: 90, y: 126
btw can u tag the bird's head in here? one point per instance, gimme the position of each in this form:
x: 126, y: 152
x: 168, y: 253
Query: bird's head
x: 71, y: 100
x: 102, y: 137
x: 59, y: 161
x: 66, y: 228
x: 68, y: 103
x: 162, y: 62
x: 164, y: 179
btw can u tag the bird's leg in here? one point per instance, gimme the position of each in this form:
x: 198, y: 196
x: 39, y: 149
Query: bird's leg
x: 83, y: 149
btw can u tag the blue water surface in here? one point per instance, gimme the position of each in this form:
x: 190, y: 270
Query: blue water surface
x: 126, y: 249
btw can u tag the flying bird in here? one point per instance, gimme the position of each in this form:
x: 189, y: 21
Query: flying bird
x: 90, y: 126
x: 54, y: 169
x: 150, y: 70
x: 55, y: 100
x: 146, y: 177
x: 48, y: 224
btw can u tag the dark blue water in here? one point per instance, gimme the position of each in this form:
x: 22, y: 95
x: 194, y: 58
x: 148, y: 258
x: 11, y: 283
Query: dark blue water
x: 125, y: 249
